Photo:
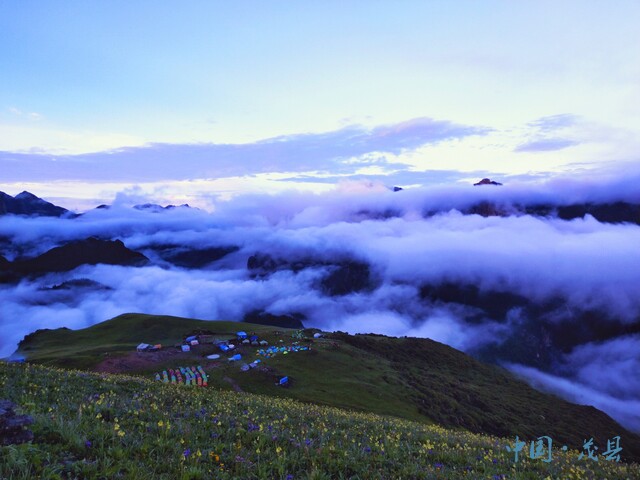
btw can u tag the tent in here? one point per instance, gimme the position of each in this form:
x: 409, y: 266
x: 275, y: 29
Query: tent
x: 191, y: 338
x: 317, y: 335
x: 224, y: 347
x: 253, y: 338
x: 236, y: 357
x: 241, y: 335
x: 142, y: 347
x: 283, y: 381
x: 186, y: 348
x: 215, y: 356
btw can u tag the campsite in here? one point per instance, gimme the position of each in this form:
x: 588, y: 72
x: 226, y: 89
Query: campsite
x: 415, y: 379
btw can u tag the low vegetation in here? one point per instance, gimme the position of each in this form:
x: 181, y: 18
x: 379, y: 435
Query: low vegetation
x: 90, y: 425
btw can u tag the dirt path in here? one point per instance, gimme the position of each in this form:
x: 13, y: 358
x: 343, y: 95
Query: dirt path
x: 135, y: 361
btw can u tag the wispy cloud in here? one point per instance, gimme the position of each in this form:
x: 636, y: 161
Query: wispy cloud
x: 308, y: 152
x: 554, y: 122
x: 22, y: 114
x: 548, y: 134
x: 546, y: 145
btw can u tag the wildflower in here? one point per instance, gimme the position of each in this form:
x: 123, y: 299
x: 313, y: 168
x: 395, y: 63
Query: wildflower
x: 87, y: 444
x: 187, y: 452
x: 438, y: 466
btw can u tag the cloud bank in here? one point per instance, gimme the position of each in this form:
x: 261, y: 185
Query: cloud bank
x: 408, y: 239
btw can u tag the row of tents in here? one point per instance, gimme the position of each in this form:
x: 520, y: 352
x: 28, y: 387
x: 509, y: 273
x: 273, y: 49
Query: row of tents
x: 186, y: 376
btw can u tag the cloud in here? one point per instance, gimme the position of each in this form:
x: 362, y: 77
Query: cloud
x: 317, y: 152
x: 398, y: 176
x: 544, y: 133
x: 545, y: 145
x: 554, y: 122
x: 34, y: 116
x: 624, y: 412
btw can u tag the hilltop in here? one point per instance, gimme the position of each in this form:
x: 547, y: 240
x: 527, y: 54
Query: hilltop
x: 411, y: 378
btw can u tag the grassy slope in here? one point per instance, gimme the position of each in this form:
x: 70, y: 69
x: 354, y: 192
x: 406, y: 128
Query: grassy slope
x: 416, y: 379
x: 89, y: 425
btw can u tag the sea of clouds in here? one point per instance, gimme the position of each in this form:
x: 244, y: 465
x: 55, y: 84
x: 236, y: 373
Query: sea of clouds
x: 590, y: 265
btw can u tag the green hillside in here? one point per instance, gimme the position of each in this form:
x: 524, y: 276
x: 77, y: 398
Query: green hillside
x: 415, y: 379
x: 90, y: 425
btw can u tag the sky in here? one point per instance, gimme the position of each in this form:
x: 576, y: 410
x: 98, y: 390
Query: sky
x: 521, y: 88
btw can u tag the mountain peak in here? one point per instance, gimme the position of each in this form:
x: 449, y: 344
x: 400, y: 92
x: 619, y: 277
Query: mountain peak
x: 486, y: 181
x: 26, y: 196
x: 26, y: 203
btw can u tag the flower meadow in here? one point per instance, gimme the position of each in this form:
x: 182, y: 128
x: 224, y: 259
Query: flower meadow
x: 89, y: 425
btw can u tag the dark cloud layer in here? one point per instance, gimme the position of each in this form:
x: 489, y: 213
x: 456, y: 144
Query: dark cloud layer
x: 587, y: 264
x: 324, y: 152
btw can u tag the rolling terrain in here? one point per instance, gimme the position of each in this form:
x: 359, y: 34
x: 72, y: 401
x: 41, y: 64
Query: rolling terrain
x: 415, y: 379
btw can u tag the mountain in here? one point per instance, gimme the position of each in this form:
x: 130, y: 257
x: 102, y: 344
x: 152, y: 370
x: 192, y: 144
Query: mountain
x: 155, y: 208
x: 191, y: 257
x: 26, y: 203
x: 486, y: 181
x: 547, y: 329
x: 344, y: 276
x: 283, y: 321
x: 412, y: 378
x: 91, y: 251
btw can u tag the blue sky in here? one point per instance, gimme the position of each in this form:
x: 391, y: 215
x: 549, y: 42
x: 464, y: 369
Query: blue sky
x: 545, y: 85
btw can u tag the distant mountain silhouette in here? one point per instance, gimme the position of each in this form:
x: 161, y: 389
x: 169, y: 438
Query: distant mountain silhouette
x: 283, y: 321
x: 188, y: 257
x: 546, y: 329
x: 91, y: 251
x: 486, y: 181
x: 154, y: 207
x: 26, y: 203
x: 345, y: 276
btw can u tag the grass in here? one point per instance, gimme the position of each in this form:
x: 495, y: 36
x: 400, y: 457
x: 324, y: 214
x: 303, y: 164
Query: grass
x: 90, y: 425
x: 414, y: 379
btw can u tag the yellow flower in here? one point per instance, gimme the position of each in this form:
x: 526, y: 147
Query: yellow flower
x: 160, y: 423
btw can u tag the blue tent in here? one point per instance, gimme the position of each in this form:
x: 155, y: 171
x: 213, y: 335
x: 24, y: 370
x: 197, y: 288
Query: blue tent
x: 224, y: 347
x: 241, y: 335
x: 283, y: 380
